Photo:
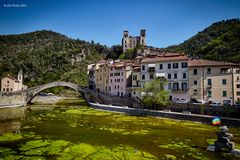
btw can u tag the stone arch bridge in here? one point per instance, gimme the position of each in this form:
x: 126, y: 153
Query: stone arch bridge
x: 24, y: 97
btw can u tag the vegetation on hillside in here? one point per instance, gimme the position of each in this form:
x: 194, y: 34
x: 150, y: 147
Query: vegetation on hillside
x: 220, y: 42
x: 47, y: 56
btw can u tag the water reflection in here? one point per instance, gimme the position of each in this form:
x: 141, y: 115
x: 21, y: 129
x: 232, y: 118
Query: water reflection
x: 10, y: 127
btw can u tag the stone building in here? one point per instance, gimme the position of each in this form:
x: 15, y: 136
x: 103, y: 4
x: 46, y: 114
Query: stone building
x: 169, y: 66
x: 11, y: 84
x: 214, y: 81
x: 130, y: 42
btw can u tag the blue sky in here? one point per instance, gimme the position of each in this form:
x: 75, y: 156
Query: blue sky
x: 167, y: 22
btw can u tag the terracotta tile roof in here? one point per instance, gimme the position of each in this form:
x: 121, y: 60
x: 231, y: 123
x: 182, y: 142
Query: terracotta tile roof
x: 11, y: 77
x: 202, y: 62
x: 165, y: 57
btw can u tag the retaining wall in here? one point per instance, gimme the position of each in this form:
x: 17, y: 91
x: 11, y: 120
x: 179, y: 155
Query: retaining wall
x: 174, y: 115
x: 12, y: 99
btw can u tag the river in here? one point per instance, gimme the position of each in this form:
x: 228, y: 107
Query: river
x: 75, y: 131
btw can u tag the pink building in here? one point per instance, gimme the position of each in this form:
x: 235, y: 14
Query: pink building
x: 120, y: 78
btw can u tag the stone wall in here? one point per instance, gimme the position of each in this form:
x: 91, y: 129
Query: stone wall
x: 165, y: 114
x: 12, y: 99
x: 109, y: 99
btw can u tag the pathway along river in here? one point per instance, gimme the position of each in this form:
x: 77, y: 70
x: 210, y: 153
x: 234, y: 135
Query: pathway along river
x: 78, y: 132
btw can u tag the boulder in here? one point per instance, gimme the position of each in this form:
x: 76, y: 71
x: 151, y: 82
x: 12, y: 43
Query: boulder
x: 235, y: 152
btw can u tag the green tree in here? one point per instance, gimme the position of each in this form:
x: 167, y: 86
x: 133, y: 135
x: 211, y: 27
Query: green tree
x: 153, y: 94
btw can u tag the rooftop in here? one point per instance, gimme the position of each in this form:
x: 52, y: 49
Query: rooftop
x: 165, y: 57
x: 203, y: 62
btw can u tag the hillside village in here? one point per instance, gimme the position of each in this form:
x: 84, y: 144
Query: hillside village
x: 188, y: 79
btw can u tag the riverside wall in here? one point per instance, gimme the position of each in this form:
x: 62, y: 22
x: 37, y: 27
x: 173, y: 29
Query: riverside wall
x: 166, y: 114
x: 10, y: 99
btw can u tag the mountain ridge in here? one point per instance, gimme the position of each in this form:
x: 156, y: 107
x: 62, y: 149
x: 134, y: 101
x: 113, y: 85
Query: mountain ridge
x: 220, y: 41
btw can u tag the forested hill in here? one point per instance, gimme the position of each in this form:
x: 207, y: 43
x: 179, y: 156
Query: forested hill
x: 220, y: 41
x: 46, y: 56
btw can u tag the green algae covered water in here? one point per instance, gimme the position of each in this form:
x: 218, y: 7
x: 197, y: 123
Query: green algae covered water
x: 79, y: 132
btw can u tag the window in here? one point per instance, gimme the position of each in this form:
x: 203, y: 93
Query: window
x: 209, y: 82
x: 169, y: 86
x: 134, y: 77
x: 224, y: 93
x: 169, y: 76
x: 209, y: 93
x: 143, y: 68
x: 151, y: 76
x: 184, y: 75
x: 160, y: 66
x: 238, y: 85
x: 109, y: 88
x: 3, y: 89
x: 184, y: 86
x: 194, y: 71
x: 209, y: 70
x: 143, y: 76
x: 195, y: 91
x: 7, y: 81
x: 175, y: 75
x: 195, y: 82
x: 224, y: 82
x: 238, y: 93
x: 169, y: 65
x: 175, y: 65
x: 184, y: 64
x: 175, y: 86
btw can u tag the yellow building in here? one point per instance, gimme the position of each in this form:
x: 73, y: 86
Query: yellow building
x: 212, y: 81
x: 101, y: 76
x: 136, y: 77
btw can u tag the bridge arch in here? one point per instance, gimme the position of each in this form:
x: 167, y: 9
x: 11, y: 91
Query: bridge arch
x: 34, y: 91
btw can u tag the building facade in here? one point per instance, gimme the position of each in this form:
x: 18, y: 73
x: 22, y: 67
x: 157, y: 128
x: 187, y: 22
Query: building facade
x: 11, y: 84
x: 236, y: 84
x: 130, y: 42
x: 171, y: 67
x: 213, y: 81
x: 120, y: 78
x: 136, y: 78
x: 101, y: 76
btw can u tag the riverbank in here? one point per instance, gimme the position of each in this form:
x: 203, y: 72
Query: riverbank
x: 167, y: 114
x: 79, y: 131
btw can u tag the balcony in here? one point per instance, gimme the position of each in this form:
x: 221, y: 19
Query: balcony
x: 209, y: 85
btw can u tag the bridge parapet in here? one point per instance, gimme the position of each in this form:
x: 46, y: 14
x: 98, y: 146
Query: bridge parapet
x: 23, y: 97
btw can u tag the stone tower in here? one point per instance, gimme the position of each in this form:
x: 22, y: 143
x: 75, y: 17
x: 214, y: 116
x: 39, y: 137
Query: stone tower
x: 130, y: 42
x: 143, y: 37
x: 20, y: 76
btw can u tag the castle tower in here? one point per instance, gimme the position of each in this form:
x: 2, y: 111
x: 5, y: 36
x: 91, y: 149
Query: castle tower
x: 130, y: 42
x: 125, y: 41
x: 143, y: 37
